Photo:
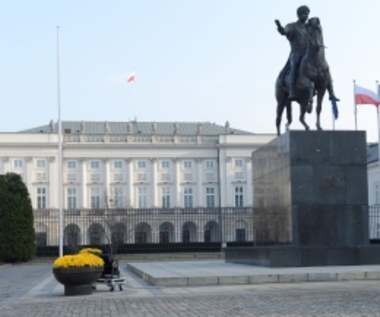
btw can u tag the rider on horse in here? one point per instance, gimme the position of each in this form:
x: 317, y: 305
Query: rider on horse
x: 296, y: 33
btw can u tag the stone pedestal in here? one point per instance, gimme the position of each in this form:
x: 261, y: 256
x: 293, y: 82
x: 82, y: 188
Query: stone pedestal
x: 310, y: 201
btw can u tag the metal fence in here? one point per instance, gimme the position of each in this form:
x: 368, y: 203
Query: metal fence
x: 143, y: 230
x: 374, y: 223
x: 154, y: 230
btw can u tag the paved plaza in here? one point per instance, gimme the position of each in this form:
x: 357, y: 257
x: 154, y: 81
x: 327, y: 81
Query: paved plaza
x: 31, y: 290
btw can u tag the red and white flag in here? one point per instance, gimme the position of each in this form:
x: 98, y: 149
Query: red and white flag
x: 131, y: 77
x: 365, y: 96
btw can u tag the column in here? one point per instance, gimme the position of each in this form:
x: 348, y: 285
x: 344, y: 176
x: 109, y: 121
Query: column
x: 131, y: 203
x: 83, y: 167
x: 28, y: 172
x: 249, y: 180
x: 154, y: 182
x: 224, y: 166
x: 53, y: 186
x: 107, y: 182
x: 177, y: 185
x: 6, y: 164
x: 199, y: 194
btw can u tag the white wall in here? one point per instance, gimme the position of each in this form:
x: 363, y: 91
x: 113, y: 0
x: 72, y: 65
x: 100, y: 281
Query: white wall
x: 224, y: 149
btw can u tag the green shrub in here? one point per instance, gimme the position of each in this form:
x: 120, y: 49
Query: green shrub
x: 17, y: 238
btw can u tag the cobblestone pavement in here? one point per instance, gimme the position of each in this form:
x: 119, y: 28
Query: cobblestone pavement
x: 31, y: 290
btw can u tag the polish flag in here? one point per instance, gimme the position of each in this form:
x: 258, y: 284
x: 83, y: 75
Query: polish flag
x: 365, y: 97
x: 131, y: 77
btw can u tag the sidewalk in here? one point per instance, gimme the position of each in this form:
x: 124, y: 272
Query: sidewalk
x: 30, y: 290
x: 218, y: 272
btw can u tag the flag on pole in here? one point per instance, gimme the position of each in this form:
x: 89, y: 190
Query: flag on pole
x: 365, y: 96
x: 335, y: 109
x: 131, y: 77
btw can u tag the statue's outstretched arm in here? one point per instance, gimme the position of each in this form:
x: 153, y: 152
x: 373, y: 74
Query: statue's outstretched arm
x: 280, y: 28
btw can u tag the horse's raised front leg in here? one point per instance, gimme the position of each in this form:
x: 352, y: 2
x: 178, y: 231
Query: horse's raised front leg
x: 320, y: 96
x: 302, y: 119
x: 288, y: 106
x: 280, y: 110
x: 302, y: 116
x: 309, y: 107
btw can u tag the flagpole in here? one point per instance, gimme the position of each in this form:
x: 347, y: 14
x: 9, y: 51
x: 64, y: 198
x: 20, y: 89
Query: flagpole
x: 333, y: 119
x: 60, y: 189
x: 355, y: 110
x: 378, y: 134
x: 378, y: 123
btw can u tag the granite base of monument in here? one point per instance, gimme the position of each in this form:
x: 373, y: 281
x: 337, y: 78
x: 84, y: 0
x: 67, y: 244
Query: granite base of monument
x: 310, y: 202
x: 291, y: 256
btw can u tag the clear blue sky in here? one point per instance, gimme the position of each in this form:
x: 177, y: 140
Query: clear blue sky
x: 195, y: 60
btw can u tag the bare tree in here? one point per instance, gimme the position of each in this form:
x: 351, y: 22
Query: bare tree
x: 114, y: 217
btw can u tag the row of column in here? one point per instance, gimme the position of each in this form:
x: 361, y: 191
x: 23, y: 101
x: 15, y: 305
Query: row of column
x: 226, y: 196
x: 153, y: 183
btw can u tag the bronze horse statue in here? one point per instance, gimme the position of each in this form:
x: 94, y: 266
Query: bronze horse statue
x: 313, y: 79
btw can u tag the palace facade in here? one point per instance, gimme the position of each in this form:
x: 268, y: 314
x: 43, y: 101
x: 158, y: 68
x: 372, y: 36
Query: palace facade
x: 145, y: 182
x: 135, y: 167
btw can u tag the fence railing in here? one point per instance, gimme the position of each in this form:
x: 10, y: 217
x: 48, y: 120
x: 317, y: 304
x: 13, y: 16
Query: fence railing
x: 154, y: 230
x: 374, y: 223
x: 143, y: 230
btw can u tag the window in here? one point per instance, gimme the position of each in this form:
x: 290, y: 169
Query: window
x: 240, y: 235
x: 18, y: 163
x: 94, y: 165
x: 95, y: 197
x: 210, y: 164
x: 141, y: 164
x: 238, y: 196
x: 41, y: 197
x: 377, y: 193
x: 41, y: 239
x: 210, y: 197
x: 165, y: 197
x: 238, y: 163
x: 141, y: 197
x: 71, y: 165
x: 117, y: 197
x: 188, y: 197
x: 117, y: 164
x: 187, y: 164
x: 71, y: 198
x: 165, y: 164
x: 41, y: 163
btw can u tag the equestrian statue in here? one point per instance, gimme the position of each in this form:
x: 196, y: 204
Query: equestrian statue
x: 306, y: 73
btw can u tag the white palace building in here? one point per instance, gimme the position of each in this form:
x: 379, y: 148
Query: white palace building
x: 148, y: 167
x: 144, y: 182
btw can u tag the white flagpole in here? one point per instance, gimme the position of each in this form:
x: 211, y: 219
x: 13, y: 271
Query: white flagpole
x: 60, y: 189
x: 333, y: 118
x: 355, y: 110
x: 378, y: 123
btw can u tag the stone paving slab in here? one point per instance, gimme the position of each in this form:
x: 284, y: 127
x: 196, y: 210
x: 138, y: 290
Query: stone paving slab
x: 218, y: 272
x: 30, y: 290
